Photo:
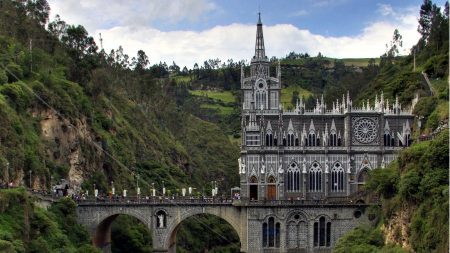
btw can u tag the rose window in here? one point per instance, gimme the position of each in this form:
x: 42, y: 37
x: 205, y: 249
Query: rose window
x: 365, y: 130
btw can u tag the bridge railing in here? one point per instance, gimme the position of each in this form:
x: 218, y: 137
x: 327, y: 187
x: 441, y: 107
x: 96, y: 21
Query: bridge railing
x: 154, y: 201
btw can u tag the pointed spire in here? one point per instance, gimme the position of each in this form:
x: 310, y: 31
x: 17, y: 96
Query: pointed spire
x: 260, y: 52
x: 311, y: 126
x: 269, y: 126
x: 407, y: 127
x: 333, y: 126
x: 386, y: 126
x: 290, y: 126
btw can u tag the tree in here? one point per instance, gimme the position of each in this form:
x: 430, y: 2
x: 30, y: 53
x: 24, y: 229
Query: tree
x: 425, y: 19
x: 141, y: 62
x: 38, y: 10
x: 392, y: 51
x: 77, y: 39
x: 174, y: 68
x: 57, y: 27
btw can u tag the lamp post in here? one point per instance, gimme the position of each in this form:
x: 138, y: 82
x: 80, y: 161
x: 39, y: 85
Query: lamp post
x: 113, y: 190
x: 153, y: 190
x: 51, y: 185
x: 138, y: 191
x: 163, y: 189
x: 95, y: 193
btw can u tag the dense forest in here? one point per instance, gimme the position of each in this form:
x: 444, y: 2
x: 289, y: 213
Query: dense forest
x: 70, y: 110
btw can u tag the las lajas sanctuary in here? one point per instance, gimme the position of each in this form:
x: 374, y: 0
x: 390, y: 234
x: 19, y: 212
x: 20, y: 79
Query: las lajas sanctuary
x: 312, y: 153
x: 299, y: 171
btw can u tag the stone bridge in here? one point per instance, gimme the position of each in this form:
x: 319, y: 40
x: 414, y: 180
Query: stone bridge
x: 276, y: 226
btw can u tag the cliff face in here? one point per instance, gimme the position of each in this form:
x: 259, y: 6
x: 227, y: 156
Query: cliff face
x: 64, y: 139
x: 396, y: 230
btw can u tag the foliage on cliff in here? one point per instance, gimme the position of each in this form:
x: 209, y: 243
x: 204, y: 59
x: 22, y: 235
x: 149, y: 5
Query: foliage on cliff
x: 416, y: 184
x: 25, y: 227
x: 113, y: 113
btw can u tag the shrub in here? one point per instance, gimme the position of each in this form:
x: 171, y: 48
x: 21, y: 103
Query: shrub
x: 15, y: 72
x: 3, y: 77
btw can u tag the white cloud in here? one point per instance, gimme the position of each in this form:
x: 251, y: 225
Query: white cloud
x: 94, y: 14
x: 234, y: 41
x: 299, y: 13
x: 385, y: 9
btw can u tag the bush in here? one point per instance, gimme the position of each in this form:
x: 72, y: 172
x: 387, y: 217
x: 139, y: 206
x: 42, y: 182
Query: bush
x: 3, y: 77
x: 409, y: 186
x: 17, y: 95
x: 384, y: 181
x: 15, y: 72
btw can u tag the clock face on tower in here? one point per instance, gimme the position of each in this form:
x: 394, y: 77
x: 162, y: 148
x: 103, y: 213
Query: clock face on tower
x: 365, y: 130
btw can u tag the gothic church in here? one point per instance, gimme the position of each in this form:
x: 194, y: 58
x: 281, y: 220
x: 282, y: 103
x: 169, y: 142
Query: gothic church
x: 320, y: 153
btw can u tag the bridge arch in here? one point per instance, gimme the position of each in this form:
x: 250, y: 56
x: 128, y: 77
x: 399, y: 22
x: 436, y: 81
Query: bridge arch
x: 228, y: 215
x: 102, y: 230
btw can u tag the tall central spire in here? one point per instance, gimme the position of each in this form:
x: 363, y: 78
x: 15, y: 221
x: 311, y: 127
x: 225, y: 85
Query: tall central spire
x: 260, y: 52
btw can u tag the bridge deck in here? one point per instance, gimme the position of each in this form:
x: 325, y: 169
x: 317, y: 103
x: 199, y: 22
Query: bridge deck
x: 217, y: 202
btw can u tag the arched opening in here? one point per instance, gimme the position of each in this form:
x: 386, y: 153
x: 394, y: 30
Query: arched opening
x: 322, y: 232
x: 337, y: 178
x: 293, y: 178
x: 204, y: 233
x: 123, y: 233
x: 297, y: 232
x: 271, y: 188
x: 253, y: 188
x: 363, y: 176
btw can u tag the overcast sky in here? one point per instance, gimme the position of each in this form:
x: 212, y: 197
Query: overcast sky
x: 189, y: 31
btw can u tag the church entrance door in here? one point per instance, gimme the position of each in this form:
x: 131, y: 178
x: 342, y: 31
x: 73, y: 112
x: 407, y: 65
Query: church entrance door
x: 271, y: 192
x: 253, y: 192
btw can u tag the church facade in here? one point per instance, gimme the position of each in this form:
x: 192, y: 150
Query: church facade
x: 320, y: 153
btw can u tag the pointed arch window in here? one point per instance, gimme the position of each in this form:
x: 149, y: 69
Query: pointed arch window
x: 315, y: 178
x: 261, y: 98
x: 290, y: 139
x: 293, y: 178
x: 408, y: 140
x: 387, y: 139
x: 271, y: 233
x: 297, y: 232
x: 333, y: 139
x: 337, y: 178
x: 322, y: 233
x: 269, y: 139
x: 312, y: 139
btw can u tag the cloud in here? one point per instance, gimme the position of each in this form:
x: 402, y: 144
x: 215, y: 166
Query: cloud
x: 385, y: 9
x: 236, y: 41
x: 130, y: 29
x: 299, y: 13
x: 94, y: 14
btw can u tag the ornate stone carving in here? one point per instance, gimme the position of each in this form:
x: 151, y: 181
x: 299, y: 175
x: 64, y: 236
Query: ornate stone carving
x: 365, y: 130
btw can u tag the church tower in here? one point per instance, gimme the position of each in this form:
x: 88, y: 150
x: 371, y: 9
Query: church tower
x: 259, y: 88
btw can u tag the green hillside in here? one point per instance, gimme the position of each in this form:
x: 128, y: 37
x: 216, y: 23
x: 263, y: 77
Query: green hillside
x: 71, y: 111
x: 414, y: 189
